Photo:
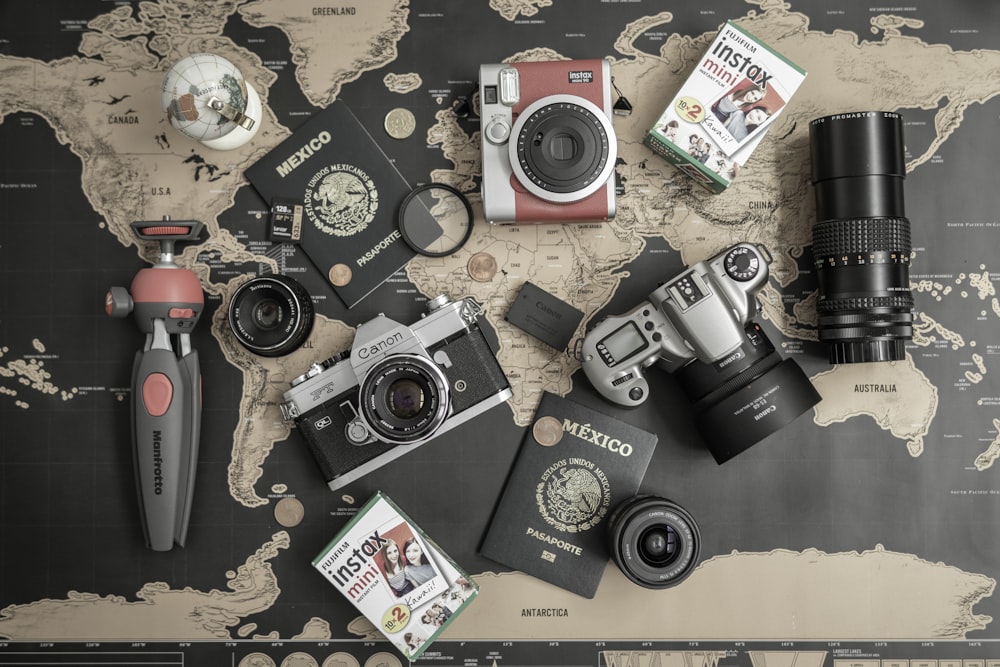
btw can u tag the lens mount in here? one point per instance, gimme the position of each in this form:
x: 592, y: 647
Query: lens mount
x: 404, y: 399
x: 271, y: 315
x: 563, y: 148
x: 654, y: 541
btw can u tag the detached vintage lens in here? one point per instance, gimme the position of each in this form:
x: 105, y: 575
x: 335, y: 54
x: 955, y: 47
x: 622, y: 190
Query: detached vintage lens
x: 654, y: 542
x: 861, y: 240
x: 271, y: 315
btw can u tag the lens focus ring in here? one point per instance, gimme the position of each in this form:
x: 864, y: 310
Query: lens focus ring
x: 865, y: 236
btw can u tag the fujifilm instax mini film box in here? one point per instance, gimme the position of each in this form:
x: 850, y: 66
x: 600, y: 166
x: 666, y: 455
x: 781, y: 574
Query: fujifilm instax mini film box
x: 724, y: 108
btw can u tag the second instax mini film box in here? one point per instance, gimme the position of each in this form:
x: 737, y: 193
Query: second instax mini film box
x: 396, y: 575
x: 724, y: 108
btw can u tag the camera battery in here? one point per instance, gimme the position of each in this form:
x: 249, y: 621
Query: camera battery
x: 285, y: 221
x: 544, y: 316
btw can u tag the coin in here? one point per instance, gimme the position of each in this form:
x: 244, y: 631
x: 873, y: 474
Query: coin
x: 547, y: 431
x: 482, y: 267
x: 400, y: 123
x: 289, y: 512
x: 340, y: 274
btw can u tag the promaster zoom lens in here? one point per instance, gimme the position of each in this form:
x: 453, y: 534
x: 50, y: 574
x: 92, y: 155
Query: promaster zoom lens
x: 271, y: 315
x: 654, y: 542
x: 861, y: 240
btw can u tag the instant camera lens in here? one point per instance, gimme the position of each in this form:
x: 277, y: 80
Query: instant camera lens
x: 654, y: 542
x: 861, y: 240
x: 404, y: 398
x: 747, y: 396
x: 564, y: 148
x: 271, y: 315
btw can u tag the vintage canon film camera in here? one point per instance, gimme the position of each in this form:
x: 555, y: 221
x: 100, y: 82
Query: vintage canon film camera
x: 697, y: 325
x: 548, y: 146
x: 397, y: 387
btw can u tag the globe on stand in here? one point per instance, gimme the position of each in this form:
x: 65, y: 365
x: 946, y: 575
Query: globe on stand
x: 206, y: 98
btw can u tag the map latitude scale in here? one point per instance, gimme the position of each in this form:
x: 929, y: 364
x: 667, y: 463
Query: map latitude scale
x: 133, y: 167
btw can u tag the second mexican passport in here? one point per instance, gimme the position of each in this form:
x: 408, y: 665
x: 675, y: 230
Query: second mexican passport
x: 574, y: 467
x: 350, y: 193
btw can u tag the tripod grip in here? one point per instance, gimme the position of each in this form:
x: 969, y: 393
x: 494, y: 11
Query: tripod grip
x: 159, y: 440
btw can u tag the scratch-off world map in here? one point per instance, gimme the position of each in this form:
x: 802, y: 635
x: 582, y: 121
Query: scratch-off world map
x: 872, y: 517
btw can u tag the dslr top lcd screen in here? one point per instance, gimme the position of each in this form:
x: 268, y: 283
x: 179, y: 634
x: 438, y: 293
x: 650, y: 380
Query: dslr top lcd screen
x: 621, y: 344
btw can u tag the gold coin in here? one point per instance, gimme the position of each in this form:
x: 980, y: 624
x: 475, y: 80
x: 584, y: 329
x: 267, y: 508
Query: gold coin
x: 400, y: 123
x: 340, y: 274
x: 289, y: 512
x: 482, y: 267
x: 547, y: 431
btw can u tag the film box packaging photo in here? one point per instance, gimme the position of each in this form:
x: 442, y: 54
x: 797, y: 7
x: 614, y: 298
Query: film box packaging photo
x: 575, y: 465
x: 724, y: 108
x: 396, y: 576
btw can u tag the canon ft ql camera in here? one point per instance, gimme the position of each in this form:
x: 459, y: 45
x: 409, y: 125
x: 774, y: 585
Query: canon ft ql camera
x: 397, y: 387
x: 698, y: 326
x: 548, y: 146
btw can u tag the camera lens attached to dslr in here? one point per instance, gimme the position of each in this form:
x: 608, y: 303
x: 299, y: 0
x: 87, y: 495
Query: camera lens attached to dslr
x: 861, y: 240
x: 271, y: 315
x: 654, y: 542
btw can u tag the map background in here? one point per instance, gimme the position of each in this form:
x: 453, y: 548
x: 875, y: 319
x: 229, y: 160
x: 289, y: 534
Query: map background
x: 68, y: 505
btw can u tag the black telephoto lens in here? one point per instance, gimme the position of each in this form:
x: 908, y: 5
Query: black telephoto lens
x: 861, y: 239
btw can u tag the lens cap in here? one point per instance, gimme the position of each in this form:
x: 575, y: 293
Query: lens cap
x: 435, y: 220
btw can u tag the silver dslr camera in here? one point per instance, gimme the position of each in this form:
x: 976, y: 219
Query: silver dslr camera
x: 398, y: 387
x: 698, y: 326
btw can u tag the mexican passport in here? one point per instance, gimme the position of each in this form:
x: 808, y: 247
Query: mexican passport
x: 349, y: 192
x: 574, y: 467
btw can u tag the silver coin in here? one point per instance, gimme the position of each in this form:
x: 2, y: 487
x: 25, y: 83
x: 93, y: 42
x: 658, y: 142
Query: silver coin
x: 289, y: 512
x: 547, y: 431
x: 482, y: 267
x: 400, y: 123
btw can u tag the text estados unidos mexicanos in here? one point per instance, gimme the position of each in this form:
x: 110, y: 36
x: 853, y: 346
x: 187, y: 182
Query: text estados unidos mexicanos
x: 587, y: 434
x: 379, y: 247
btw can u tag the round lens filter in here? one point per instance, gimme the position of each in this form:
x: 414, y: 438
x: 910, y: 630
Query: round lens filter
x: 435, y: 220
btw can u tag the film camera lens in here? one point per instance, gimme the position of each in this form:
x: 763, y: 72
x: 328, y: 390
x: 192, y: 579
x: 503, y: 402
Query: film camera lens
x: 745, y: 397
x: 861, y: 240
x: 271, y: 315
x: 654, y: 541
x: 404, y: 398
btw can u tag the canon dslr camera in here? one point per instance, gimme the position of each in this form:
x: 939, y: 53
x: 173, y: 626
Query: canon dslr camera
x: 398, y: 387
x: 698, y: 326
